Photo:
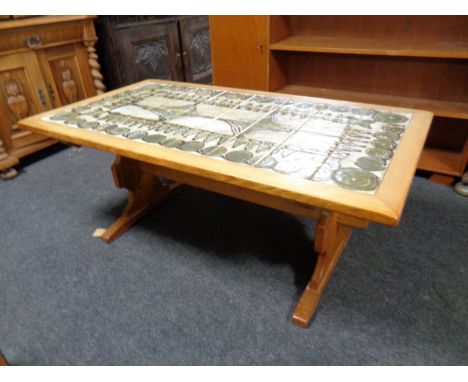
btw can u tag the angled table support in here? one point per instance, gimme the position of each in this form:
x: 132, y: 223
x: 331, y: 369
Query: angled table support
x: 331, y: 238
x: 145, y: 191
x: 3, y: 361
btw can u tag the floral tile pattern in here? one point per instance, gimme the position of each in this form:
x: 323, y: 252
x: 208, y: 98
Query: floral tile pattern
x: 349, y: 147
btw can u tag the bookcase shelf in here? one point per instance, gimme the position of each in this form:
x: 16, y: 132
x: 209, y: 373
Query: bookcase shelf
x: 418, y: 62
x: 438, y: 107
x: 373, y: 46
x: 441, y: 161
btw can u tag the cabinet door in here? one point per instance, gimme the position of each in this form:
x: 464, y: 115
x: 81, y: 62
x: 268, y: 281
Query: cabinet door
x: 67, y: 73
x: 196, y: 50
x: 239, y: 51
x: 149, y: 50
x: 22, y: 93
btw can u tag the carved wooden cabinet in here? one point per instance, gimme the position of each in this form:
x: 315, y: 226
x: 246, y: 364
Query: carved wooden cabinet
x: 165, y: 47
x: 45, y: 62
x: 195, y: 48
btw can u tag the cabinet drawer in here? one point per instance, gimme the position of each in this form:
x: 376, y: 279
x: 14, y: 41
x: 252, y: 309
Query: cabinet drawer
x: 40, y: 36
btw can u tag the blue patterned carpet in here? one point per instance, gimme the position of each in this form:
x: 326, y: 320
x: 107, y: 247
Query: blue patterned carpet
x: 209, y: 280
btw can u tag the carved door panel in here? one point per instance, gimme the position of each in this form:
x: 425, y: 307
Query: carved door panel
x: 22, y: 93
x: 196, y: 50
x: 65, y: 70
x: 149, y: 50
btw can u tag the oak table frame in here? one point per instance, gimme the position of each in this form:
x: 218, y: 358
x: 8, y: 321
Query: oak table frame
x: 3, y: 361
x: 139, y: 166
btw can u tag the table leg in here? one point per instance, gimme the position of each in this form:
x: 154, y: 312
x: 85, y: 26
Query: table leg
x: 3, y: 361
x: 331, y: 238
x: 145, y: 191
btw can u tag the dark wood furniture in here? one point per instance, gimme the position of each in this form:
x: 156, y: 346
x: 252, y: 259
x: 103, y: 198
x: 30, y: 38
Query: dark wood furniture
x: 45, y: 62
x: 418, y: 62
x: 165, y: 47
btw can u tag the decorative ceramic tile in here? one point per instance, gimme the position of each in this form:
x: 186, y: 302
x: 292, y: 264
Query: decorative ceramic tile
x: 349, y: 147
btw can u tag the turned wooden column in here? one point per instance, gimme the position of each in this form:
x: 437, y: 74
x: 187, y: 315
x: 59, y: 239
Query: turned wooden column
x: 89, y: 40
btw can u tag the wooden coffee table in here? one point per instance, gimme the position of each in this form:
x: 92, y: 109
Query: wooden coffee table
x: 339, y: 163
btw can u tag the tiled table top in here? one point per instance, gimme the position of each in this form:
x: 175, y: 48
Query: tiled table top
x: 350, y: 147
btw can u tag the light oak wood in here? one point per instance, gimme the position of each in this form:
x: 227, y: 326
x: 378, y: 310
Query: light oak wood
x: 65, y: 70
x: 42, y: 20
x: 20, y: 82
x: 34, y: 147
x: 369, y: 207
x: 276, y: 202
x: 139, y: 166
x: 330, y: 240
x: 145, y: 191
x: 89, y: 41
x: 45, y: 62
x: 36, y: 33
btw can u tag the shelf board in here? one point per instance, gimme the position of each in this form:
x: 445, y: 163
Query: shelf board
x: 440, y: 108
x: 439, y: 161
x: 373, y: 46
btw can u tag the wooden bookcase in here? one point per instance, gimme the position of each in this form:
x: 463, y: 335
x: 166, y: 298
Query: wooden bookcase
x: 416, y: 62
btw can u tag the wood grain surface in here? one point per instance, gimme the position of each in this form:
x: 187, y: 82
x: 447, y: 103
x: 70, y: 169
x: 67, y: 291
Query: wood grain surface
x: 384, y: 207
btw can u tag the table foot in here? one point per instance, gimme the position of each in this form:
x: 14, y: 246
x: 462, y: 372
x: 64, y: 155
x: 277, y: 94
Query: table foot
x: 8, y: 174
x: 3, y: 361
x: 145, y: 191
x: 330, y: 240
